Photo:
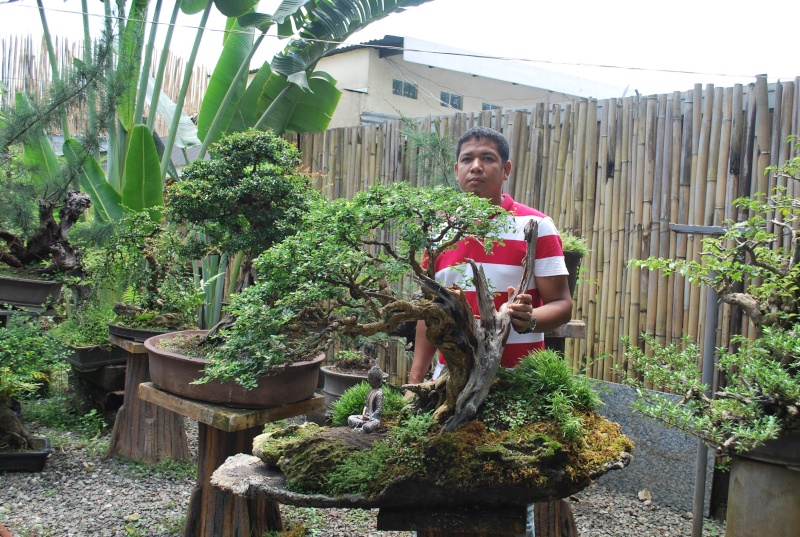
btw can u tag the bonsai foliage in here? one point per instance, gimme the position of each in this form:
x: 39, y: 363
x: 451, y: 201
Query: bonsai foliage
x: 140, y: 264
x: 249, y: 196
x: 754, y: 266
x: 336, y: 274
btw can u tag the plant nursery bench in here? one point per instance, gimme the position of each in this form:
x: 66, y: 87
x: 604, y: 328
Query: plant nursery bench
x: 143, y: 431
x: 222, y: 433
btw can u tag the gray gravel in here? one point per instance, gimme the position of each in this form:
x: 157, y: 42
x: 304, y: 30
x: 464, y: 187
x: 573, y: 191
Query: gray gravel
x: 80, y: 495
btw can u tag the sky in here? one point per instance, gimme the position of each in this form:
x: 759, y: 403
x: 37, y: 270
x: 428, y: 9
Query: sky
x: 650, y: 47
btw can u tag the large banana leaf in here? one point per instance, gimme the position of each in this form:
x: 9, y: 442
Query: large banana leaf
x: 323, y: 25
x: 141, y: 186
x: 234, y: 53
x: 296, y: 110
x: 130, y: 59
x: 38, y: 155
x: 187, y: 131
x: 107, y: 201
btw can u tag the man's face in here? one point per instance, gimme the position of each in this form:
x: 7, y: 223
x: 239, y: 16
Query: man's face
x: 479, y: 169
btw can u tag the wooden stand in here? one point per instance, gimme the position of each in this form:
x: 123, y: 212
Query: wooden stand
x: 223, y: 432
x: 143, y: 431
x: 556, y: 340
x: 550, y: 519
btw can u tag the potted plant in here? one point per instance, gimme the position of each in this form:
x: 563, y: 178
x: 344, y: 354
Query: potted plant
x: 28, y: 357
x: 249, y: 196
x: 35, y: 250
x: 337, y: 274
x: 347, y: 367
x: 575, y: 248
x: 84, y: 329
x: 755, y: 415
x: 141, y: 265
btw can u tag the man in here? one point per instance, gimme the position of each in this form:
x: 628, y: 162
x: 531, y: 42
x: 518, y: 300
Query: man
x: 482, y: 166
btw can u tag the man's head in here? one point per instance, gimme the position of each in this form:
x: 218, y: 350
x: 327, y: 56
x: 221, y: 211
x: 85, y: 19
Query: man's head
x: 485, y: 133
x: 482, y: 164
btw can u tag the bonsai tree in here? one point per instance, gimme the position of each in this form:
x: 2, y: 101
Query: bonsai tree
x: 141, y: 265
x: 248, y: 196
x: 336, y: 274
x: 753, y: 266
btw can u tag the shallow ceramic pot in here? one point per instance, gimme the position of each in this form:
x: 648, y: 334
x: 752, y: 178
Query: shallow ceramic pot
x: 133, y: 334
x: 85, y: 359
x: 175, y: 373
x: 30, y: 295
x: 26, y: 461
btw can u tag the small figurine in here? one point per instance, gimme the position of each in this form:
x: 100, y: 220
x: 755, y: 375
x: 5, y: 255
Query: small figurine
x: 370, y: 418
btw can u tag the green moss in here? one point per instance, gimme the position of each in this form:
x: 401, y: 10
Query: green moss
x: 270, y: 446
x: 306, y: 462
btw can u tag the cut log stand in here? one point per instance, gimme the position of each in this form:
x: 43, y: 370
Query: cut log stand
x: 223, y: 432
x: 143, y: 431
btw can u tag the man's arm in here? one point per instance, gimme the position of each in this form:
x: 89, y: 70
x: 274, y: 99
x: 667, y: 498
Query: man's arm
x: 423, y: 355
x: 556, y: 308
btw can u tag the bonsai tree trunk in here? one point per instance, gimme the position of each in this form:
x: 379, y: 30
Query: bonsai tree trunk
x: 50, y: 240
x: 12, y: 433
x: 472, y: 353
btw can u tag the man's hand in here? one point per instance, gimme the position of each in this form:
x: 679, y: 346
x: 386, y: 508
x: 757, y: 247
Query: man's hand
x: 521, y: 311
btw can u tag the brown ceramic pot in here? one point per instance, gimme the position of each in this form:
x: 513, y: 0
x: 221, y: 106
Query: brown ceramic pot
x: 175, y: 373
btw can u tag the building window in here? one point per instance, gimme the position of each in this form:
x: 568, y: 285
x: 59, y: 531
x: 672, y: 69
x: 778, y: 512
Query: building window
x: 406, y: 89
x: 489, y: 106
x: 452, y: 100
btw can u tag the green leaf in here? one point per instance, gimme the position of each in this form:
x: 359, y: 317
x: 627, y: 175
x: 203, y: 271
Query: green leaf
x: 236, y: 49
x: 287, y: 8
x: 130, y: 58
x: 187, y: 131
x: 297, y: 110
x: 260, y: 21
x: 141, y: 184
x: 107, y: 201
x: 190, y: 7
x: 235, y: 8
x: 38, y: 155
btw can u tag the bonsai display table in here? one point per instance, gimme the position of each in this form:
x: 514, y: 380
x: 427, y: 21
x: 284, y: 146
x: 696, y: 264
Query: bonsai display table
x: 247, y: 476
x: 143, y: 431
x: 224, y: 432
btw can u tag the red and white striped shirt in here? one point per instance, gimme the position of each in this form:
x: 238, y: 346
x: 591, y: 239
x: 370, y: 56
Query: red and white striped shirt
x: 503, y: 269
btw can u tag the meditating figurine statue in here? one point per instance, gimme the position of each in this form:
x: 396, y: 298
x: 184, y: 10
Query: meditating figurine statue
x: 370, y: 418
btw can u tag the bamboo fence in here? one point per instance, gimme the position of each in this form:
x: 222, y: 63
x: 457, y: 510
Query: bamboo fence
x: 617, y: 172
x: 25, y: 67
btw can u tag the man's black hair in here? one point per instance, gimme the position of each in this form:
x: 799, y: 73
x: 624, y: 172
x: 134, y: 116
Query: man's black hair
x: 485, y: 133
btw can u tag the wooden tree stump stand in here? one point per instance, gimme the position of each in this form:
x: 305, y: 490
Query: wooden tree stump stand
x: 223, y: 432
x: 550, y: 519
x: 143, y: 431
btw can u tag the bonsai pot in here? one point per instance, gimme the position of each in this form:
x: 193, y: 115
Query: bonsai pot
x: 769, y: 471
x: 175, y: 373
x: 85, y: 359
x: 26, y: 461
x: 31, y: 295
x: 337, y: 382
x: 573, y: 262
x: 132, y: 334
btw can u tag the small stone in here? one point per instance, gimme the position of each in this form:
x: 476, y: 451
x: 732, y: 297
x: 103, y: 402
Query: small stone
x: 644, y: 495
x: 131, y: 518
x: 648, y: 502
x: 688, y: 515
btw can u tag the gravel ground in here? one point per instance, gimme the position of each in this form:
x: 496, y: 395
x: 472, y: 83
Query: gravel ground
x: 81, y: 493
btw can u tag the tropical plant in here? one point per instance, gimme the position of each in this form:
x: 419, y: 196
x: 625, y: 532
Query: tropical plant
x: 753, y: 266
